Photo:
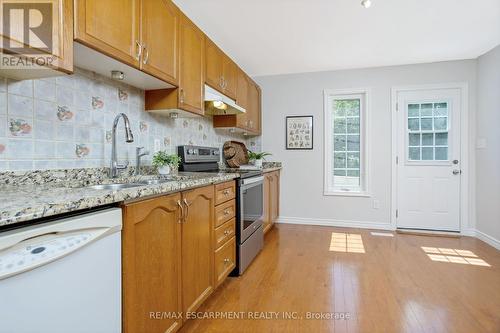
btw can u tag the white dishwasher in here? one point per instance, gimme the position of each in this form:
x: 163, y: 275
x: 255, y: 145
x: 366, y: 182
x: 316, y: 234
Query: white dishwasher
x: 62, y: 276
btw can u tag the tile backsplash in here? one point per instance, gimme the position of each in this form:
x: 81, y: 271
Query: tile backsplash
x: 65, y: 122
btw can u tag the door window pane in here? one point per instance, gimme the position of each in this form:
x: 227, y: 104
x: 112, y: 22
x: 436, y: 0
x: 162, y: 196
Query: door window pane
x: 339, y: 125
x: 353, y: 142
x: 414, y: 139
x: 427, y: 139
x: 414, y: 154
x: 339, y: 160
x: 353, y: 125
x: 440, y: 123
x: 414, y: 124
x: 353, y: 160
x: 441, y: 153
x: 427, y: 153
x: 428, y: 131
x: 426, y: 109
x: 339, y: 143
x: 413, y: 110
x: 426, y: 124
x: 441, y: 139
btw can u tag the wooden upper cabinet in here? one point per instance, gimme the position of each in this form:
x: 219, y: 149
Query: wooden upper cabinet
x: 197, y: 247
x: 152, y: 264
x: 160, y: 37
x: 242, y: 98
x: 254, y: 108
x: 192, y: 62
x: 112, y: 27
x: 229, y: 77
x: 54, y: 55
x: 213, y: 65
x: 221, y: 73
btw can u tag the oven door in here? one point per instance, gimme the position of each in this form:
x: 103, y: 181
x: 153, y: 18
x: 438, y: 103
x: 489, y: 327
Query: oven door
x: 251, y: 206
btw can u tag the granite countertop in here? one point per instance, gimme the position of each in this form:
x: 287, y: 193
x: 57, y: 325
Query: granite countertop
x: 21, y: 203
x: 39, y: 194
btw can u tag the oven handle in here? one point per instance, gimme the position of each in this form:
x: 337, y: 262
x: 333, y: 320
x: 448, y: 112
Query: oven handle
x: 252, y: 181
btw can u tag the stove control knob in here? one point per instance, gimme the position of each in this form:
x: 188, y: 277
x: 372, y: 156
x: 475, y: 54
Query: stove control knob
x: 190, y: 151
x: 196, y: 152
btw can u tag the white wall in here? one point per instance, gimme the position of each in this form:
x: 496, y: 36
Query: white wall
x: 488, y: 158
x: 302, y: 176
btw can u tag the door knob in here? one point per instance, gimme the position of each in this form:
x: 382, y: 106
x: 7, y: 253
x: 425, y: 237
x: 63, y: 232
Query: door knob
x: 456, y: 172
x: 455, y: 161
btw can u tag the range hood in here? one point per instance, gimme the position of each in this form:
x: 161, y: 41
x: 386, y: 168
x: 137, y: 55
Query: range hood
x: 218, y: 104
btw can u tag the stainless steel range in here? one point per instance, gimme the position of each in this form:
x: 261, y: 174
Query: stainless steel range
x: 249, y: 200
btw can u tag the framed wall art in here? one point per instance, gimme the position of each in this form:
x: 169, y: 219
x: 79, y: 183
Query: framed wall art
x: 299, y: 132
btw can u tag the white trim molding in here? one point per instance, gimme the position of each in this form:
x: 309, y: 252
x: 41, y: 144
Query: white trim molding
x: 467, y: 201
x: 365, y: 140
x: 334, y: 223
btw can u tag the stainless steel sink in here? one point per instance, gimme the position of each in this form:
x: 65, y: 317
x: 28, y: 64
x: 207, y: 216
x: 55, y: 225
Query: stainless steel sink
x: 153, y: 181
x: 114, y: 186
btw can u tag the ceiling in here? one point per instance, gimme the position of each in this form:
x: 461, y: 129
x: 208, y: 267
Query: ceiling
x: 268, y: 37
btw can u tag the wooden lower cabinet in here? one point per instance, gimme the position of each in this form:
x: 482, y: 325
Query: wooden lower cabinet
x: 197, y: 247
x: 152, y: 264
x: 225, y: 260
x: 271, y: 199
x: 168, y: 258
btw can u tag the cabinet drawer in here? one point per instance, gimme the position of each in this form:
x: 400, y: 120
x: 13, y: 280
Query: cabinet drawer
x: 225, y: 192
x: 225, y: 212
x: 225, y: 260
x: 224, y: 232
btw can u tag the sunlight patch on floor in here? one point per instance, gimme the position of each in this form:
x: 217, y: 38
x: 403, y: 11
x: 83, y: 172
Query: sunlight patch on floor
x: 343, y: 242
x: 455, y: 256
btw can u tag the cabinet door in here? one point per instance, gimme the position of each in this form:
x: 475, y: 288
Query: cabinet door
x: 275, y: 196
x: 254, y: 102
x: 267, y: 201
x: 192, y: 62
x: 160, y: 28
x: 197, y: 247
x: 229, y: 77
x: 213, y: 65
x: 111, y: 27
x: 54, y: 46
x: 151, y: 264
x: 242, y: 99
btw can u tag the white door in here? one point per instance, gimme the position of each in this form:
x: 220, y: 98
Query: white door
x: 428, y: 169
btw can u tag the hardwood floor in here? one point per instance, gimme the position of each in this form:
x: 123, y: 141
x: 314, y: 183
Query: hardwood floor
x: 384, y: 284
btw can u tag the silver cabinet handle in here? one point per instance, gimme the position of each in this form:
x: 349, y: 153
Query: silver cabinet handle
x: 226, y: 192
x: 181, y: 218
x: 139, y: 51
x: 146, y: 55
x: 456, y: 172
x: 226, y: 232
x: 226, y: 261
x: 221, y: 82
x: 226, y: 212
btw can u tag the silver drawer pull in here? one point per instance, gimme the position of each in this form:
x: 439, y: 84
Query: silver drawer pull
x: 226, y: 212
x: 226, y: 232
x: 226, y: 261
x: 226, y: 192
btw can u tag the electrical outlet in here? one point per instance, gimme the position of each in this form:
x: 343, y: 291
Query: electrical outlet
x: 376, y: 204
x: 157, y: 145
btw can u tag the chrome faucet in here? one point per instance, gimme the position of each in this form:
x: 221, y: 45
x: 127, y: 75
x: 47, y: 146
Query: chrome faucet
x: 113, y: 171
x: 138, y: 154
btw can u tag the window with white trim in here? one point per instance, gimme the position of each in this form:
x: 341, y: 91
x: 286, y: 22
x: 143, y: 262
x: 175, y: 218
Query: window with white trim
x: 345, y: 146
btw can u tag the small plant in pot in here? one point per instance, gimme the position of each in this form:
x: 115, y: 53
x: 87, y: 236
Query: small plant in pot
x: 166, y: 163
x: 257, y: 158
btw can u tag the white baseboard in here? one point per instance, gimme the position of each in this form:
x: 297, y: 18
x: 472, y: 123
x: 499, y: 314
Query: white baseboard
x: 376, y: 225
x: 488, y: 239
x: 334, y: 223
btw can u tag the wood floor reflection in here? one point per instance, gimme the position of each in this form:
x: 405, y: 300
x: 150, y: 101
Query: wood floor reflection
x: 403, y: 283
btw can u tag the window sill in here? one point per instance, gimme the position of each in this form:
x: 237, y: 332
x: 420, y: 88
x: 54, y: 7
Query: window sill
x: 347, y: 194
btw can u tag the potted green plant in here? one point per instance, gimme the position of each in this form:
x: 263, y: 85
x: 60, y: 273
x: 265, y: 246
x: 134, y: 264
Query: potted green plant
x: 165, y: 163
x: 257, y: 158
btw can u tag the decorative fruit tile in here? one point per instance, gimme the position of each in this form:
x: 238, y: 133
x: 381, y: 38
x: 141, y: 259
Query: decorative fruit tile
x: 82, y: 150
x: 97, y: 102
x: 20, y: 127
x: 64, y: 113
